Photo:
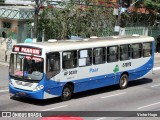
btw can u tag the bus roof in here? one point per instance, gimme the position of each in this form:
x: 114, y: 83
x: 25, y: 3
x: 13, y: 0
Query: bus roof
x: 61, y: 45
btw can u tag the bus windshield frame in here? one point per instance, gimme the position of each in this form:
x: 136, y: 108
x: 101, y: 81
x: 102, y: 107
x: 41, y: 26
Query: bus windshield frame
x: 26, y: 68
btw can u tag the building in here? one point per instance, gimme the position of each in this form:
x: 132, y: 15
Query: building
x: 14, y: 15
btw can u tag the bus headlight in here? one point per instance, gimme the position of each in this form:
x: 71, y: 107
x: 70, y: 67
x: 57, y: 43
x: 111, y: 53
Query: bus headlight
x: 10, y: 82
x: 38, y: 88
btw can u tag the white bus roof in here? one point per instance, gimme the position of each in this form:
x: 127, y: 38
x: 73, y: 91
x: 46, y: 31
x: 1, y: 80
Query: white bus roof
x: 61, y: 45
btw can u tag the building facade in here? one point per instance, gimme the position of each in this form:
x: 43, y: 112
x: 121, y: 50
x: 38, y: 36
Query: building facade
x: 14, y: 18
x: 13, y: 21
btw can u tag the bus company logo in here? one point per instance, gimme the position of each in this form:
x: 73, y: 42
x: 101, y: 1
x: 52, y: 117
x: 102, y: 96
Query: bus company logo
x: 128, y: 64
x: 116, y: 69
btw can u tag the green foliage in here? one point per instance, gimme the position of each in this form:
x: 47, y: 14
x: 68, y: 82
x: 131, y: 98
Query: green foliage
x: 142, y: 19
x: 136, y: 19
x: 1, y: 1
x: 152, y: 4
x: 72, y: 19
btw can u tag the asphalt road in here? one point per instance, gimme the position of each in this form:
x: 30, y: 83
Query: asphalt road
x: 3, y: 76
x: 141, y: 95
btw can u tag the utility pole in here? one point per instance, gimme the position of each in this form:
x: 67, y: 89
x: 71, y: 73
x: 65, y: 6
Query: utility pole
x: 35, y: 20
x: 117, y: 28
x: 117, y: 22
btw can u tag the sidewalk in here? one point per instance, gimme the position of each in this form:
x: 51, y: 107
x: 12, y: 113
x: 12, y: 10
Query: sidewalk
x: 156, y: 61
x: 6, y: 45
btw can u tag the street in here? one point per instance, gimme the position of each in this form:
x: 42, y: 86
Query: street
x: 3, y: 77
x: 141, y: 95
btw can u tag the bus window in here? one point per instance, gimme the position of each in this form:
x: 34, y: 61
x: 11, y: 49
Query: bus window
x: 147, y: 49
x: 124, y: 52
x: 53, y: 64
x: 26, y: 67
x: 136, y: 50
x: 99, y: 55
x: 69, y: 59
x: 112, y: 54
x: 85, y: 57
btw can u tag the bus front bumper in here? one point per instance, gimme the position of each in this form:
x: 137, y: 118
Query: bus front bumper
x: 23, y: 93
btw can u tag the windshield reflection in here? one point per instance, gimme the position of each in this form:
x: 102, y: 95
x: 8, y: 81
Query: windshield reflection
x: 27, y: 67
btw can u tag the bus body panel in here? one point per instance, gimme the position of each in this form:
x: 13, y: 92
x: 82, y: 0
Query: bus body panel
x: 26, y: 93
x: 22, y: 93
x: 103, y: 80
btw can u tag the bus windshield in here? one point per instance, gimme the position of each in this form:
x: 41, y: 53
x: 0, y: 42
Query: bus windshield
x: 26, y: 67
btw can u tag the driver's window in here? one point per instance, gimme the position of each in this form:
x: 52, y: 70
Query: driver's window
x: 53, y: 64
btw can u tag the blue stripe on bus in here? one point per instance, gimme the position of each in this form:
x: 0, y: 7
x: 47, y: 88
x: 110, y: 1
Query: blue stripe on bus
x: 98, y: 81
x: 55, y: 88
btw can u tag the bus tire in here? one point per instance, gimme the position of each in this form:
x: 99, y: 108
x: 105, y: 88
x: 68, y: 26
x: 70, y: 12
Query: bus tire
x: 67, y: 92
x: 123, y: 82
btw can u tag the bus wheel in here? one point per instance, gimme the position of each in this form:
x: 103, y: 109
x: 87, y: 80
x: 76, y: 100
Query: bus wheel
x: 67, y: 92
x: 123, y: 81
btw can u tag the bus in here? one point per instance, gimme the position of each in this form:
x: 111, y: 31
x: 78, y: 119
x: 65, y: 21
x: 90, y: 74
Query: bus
x: 60, y: 68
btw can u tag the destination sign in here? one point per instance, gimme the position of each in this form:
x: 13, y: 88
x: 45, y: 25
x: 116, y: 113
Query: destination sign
x: 30, y: 50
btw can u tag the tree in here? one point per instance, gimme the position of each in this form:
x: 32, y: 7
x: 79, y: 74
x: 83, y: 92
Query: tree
x: 152, y: 7
x: 152, y: 4
x: 77, y: 20
x: 1, y: 2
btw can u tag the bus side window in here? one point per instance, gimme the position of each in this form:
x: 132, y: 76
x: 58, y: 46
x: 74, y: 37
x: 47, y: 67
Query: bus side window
x: 124, y: 52
x: 136, y: 50
x: 69, y: 59
x: 147, y: 49
x: 53, y: 64
x: 85, y: 57
x: 112, y: 54
x: 99, y: 55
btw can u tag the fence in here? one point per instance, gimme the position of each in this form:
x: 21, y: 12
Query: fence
x: 154, y: 32
x: 133, y: 30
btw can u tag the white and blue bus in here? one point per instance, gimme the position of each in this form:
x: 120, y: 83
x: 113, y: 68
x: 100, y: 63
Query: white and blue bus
x: 61, y: 68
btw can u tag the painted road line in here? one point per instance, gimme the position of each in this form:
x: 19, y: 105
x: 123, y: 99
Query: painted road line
x: 156, y: 68
x: 1, y: 91
x: 148, y: 105
x: 102, y: 118
x: 114, y: 95
x: 155, y: 85
x: 55, y: 108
